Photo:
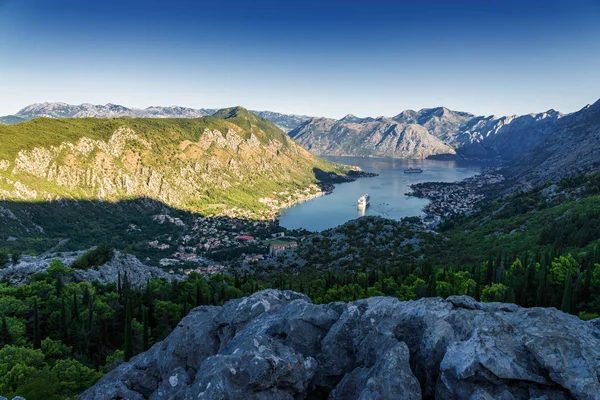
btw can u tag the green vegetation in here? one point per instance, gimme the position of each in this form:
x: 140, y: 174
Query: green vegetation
x: 57, y: 336
x: 101, y: 181
x: 93, y: 258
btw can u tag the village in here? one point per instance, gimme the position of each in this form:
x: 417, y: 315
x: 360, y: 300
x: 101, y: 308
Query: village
x: 235, y: 237
x: 452, y: 198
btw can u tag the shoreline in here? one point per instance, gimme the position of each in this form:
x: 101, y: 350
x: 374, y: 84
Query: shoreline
x: 448, y: 199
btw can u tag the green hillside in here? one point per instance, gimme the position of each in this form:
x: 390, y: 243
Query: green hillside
x: 53, y: 170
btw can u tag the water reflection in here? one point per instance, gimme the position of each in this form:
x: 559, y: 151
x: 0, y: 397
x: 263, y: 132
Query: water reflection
x: 387, y: 191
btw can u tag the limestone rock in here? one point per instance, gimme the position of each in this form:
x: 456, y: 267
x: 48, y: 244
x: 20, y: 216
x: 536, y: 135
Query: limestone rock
x: 138, y: 273
x: 278, y: 345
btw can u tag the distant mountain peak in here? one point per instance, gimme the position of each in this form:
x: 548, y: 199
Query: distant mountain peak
x: 353, y: 119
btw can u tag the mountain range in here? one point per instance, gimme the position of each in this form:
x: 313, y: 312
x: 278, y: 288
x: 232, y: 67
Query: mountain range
x: 425, y: 133
x: 286, y: 122
x: 538, y: 147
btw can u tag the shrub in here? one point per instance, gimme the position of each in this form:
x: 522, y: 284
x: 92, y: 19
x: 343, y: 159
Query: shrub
x: 94, y: 258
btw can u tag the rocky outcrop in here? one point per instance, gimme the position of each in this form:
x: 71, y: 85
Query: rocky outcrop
x: 138, y: 273
x: 278, y: 345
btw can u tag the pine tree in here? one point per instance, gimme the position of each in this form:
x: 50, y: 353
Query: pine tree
x: 128, y: 346
x: 5, y: 337
x: 37, y: 336
x: 566, y: 301
x: 145, y: 331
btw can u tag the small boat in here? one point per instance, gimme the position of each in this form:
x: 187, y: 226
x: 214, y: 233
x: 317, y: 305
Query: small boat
x: 363, y: 201
x: 413, y: 171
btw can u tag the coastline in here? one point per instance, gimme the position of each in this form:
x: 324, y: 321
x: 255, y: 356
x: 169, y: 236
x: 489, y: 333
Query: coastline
x: 448, y: 199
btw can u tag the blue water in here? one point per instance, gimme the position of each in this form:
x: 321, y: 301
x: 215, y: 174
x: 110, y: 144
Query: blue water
x: 387, y: 191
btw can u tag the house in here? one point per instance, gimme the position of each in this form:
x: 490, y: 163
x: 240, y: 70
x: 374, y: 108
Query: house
x: 245, y: 238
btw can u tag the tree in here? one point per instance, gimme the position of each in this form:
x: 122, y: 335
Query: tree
x: 145, y: 331
x: 494, y: 292
x: 566, y: 301
x: 37, y: 336
x: 5, y: 338
x: 3, y: 259
x: 15, y: 257
x: 128, y: 346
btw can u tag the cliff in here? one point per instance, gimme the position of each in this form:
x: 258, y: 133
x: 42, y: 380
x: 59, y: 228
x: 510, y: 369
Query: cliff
x: 278, y: 345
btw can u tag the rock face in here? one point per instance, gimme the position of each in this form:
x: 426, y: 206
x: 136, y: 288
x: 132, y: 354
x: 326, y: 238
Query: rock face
x: 138, y: 273
x: 278, y: 345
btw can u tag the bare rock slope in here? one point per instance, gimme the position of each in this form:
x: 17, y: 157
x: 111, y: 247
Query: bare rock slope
x: 278, y: 345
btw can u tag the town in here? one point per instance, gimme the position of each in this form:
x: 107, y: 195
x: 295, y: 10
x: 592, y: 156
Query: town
x: 453, y: 198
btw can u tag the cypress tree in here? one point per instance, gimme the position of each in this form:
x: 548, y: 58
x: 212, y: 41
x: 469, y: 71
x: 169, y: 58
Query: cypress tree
x: 5, y: 337
x: 145, y: 331
x: 119, y: 288
x: 566, y: 301
x: 198, y: 295
x: 588, y: 281
x: 63, y: 320
x: 75, y: 309
x: 128, y: 346
x: 540, y: 298
x: 432, y: 289
x: 489, y: 274
x: 90, y: 313
x: 37, y: 336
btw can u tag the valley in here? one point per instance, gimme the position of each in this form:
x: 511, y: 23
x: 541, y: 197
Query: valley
x: 183, y: 213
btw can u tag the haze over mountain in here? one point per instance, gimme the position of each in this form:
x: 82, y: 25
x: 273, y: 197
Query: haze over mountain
x: 63, y: 110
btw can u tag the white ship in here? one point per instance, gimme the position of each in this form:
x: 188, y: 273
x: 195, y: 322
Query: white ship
x: 363, y: 202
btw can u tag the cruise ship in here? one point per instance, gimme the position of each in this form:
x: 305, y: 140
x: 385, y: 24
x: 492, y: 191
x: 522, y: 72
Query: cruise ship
x: 363, y: 201
x: 413, y: 170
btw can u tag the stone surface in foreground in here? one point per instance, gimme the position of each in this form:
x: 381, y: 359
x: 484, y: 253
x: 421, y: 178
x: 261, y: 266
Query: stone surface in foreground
x: 278, y: 345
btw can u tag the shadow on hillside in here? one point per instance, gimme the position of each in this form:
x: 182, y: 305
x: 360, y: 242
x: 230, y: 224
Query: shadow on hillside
x: 128, y: 225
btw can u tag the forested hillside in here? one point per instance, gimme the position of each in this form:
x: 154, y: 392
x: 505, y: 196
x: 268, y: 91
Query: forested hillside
x: 541, y: 248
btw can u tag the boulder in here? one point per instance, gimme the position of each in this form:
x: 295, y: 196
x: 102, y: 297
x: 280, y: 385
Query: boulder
x: 278, y: 345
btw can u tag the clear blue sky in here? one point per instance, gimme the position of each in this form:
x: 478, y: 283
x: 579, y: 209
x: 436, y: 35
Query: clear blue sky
x: 311, y: 57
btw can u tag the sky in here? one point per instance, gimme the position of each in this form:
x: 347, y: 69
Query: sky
x: 320, y: 58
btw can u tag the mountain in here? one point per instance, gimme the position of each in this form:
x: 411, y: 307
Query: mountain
x: 380, y: 137
x: 204, y: 165
x: 440, y: 122
x: 434, y: 131
x: 286, y: 122
x: 11, y: 119
x: 279, y: 345
x: 570, y: 147
x: 63, y: 110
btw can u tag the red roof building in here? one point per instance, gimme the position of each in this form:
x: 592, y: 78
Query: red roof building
x: 244, y: 238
